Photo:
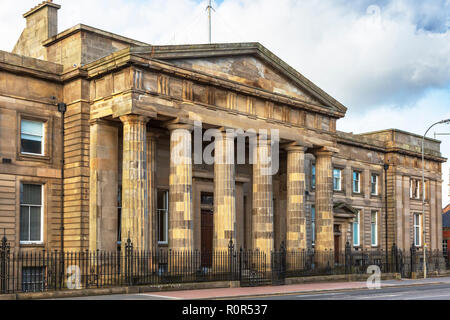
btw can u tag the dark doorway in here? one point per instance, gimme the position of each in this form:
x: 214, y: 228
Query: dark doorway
x: 207, y: 237
x: 337, y: 240
x: 337, y: 243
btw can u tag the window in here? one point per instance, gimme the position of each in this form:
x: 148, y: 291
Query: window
x: 32, y: 279
x: 414, y: 188
x: 356, y: 228
x: 374, y: 228
x: 32, y: 137
x: 356, y: 182
x: 207, y: 199
x: 31, y: 217
x: 337, y: 179
x: 163, y: 217
x: 313, y: 176
x: 417, y: 230
x: 374, y: 184
x: 313, y: 225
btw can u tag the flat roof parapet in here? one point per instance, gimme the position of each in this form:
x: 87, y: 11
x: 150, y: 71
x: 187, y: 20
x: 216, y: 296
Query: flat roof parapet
x: 17, y: 60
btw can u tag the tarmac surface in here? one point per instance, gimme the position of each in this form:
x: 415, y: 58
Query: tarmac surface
x: 421, y: 289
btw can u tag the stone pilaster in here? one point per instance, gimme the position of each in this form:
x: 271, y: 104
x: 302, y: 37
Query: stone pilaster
x: 224, y: 193
x: 295, y: 216
x: 152, y: 189
x: 262, y: 213
x: 134, y: 182
x: 180, y: 188
x: 324, y: 202
x: 103, y: 186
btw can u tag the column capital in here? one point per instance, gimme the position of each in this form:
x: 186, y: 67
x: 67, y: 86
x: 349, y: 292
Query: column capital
x: 180, y: 126
x: 134, y: 118
x: 295, y: 148
x: 326, y: 151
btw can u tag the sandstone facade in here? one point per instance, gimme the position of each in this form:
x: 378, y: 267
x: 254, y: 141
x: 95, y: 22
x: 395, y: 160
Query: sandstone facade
x: 129, y: 142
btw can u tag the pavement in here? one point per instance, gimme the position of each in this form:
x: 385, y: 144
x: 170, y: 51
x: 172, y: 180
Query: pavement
x: 310, y: 290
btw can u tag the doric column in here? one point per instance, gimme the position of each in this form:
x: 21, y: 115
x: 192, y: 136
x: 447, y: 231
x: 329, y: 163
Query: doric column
x: 134, y: 182
x: 181, y: 224
x: 262, y: 213
x: 152, y: 189
x: 295, y: 216
x: 224, y: 193
x: 324, y: 202
x: 103, y: 186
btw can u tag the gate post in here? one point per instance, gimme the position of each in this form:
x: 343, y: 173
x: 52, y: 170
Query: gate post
x: 283, y: 261
x: 129, y: 262
x: 347, y: 258
x: 413, y: 259
x: 240, y: 264
x: 230, y: 259
x: 394, y: 260
x: 4, y: 259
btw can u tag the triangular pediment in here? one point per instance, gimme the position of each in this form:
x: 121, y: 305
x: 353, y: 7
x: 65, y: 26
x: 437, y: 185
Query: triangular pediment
x: 344, y: 208
x: 246, y: 63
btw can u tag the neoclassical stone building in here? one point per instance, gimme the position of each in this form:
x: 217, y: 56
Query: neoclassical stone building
x: 131, y: 108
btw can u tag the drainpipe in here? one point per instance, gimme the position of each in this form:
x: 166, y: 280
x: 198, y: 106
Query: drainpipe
x: 62, y: 107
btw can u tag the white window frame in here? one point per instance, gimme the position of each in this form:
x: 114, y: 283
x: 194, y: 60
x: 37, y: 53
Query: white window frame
x: 42, y: 137
x: 359, y: 181
x: 166, y: 218
x: 41, y: 240
x: 415, y: 196
x: 374, y: 228
x: 374, y: 182
x: 339, y: 187
x: 417, y: 228
x: 358, y: 224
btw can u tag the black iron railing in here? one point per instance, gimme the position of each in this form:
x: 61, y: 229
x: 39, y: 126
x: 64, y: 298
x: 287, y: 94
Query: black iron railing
x: 47, y: 271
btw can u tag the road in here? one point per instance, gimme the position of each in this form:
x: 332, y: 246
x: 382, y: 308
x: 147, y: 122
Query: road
x: 421, y: 292
x: 430, y: 289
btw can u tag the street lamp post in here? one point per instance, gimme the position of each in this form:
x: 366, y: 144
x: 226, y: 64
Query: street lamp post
x: 386, y: 168
x: 447, y: 121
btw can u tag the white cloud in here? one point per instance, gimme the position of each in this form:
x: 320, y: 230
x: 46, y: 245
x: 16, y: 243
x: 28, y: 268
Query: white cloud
x: 367, y: 59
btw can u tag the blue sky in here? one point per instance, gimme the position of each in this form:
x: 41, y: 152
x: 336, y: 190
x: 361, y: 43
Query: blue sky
x: 388, y: 61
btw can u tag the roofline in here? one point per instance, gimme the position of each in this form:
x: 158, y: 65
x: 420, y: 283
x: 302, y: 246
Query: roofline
x: 400, y: 131
x: 223, y: 49
x: 82, y: 27
x: 349, y: 139
x: 125, y: 56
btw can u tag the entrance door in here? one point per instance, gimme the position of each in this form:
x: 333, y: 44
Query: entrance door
x: 207, y: 237
x: 337, y: 241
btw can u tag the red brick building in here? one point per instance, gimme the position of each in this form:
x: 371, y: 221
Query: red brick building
x: 446, y: 227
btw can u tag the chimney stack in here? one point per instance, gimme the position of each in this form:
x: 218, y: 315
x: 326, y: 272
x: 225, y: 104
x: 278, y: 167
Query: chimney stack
x: 42, y: 24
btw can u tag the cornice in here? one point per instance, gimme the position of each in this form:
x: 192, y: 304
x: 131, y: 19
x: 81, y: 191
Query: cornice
x: 125, y: 57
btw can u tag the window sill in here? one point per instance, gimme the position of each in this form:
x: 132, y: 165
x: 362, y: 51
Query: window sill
x: 32, y: 244
x: 33, y: 157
